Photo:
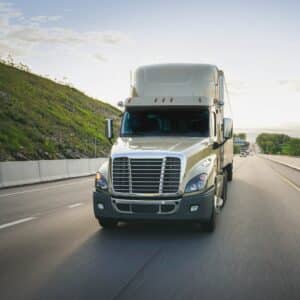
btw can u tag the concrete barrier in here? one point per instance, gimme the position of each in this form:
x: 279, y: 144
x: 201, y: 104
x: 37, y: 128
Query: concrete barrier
x: 53, y: 169
x: 14, y: 173
x: 77, y: 166
x: 19, y: 173
x: 95, y: 163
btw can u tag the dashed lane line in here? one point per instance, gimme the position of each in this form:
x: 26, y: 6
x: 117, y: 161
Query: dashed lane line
x: 75, y: 205
x: 42, y: 189
x: 16, y: 222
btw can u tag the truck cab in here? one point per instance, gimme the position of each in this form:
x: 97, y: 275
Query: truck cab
x: 174, y: 155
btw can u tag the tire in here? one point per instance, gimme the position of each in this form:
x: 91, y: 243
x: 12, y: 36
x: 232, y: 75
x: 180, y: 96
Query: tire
x: 210, y: 226
x: 107, y: 223
x: 224, y: 192
x: 229, y: 172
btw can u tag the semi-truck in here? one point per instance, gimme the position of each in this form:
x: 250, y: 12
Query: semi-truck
x: 173, y: 157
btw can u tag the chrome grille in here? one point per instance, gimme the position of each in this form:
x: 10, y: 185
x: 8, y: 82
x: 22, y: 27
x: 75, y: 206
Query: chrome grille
x: 121, y: 175
x: 171, y: 175
x: 146, y: 175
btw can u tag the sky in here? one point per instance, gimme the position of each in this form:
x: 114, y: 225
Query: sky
x: 94, y: 44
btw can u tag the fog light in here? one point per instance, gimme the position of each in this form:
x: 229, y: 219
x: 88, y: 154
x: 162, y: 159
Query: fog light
x: 194, y: 208
x: 100, y: 206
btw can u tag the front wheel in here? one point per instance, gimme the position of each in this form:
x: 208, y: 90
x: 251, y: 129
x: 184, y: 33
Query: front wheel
x: 107, y: 223
x: 229, y: 172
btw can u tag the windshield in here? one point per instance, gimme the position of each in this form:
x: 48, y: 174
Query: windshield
x: 192, y: 122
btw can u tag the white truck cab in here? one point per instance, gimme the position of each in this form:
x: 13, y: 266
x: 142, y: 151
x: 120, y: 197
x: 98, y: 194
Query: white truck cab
x: 174, y: 155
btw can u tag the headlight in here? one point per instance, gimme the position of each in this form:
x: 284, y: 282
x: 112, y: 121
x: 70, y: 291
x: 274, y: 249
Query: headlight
x: 197, y: 183
x: 100, y: 182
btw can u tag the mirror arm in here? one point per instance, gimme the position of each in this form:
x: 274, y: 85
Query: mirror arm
x: 216, y: 145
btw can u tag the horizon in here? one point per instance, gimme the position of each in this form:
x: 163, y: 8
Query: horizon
x: 96, y: 54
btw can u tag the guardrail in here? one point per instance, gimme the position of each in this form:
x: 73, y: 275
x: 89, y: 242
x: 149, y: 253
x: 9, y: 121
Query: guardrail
x: 14, y: 173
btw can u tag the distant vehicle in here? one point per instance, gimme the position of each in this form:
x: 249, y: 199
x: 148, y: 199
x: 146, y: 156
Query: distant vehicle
x: 243, y: 154
x: 174, y: 155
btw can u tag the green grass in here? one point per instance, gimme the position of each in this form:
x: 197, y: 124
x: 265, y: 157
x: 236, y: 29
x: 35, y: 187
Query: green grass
x: 41, y: 119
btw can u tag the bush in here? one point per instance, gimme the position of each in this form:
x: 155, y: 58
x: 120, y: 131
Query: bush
x: 270, y: 143
x: 236, y: 149
x: 292, y: 147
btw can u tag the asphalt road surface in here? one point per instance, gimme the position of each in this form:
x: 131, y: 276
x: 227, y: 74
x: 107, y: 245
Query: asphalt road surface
x: 51, y: 247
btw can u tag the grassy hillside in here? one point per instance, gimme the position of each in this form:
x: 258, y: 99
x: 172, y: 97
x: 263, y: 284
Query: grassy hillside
x: 41, y: 119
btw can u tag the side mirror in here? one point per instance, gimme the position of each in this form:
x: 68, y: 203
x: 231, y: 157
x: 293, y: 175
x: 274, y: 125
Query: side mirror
x: 228, y: 128
x: 109, y: 132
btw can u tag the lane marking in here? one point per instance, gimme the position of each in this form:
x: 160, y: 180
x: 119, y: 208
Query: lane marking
x: 286, y: 180
x: 75, y: 205
x: 42, y: 189
x: 16, y: 222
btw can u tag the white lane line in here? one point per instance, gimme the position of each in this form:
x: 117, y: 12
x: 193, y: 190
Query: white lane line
x: 286, y: 180
x: 75, y: 205
x: 16, y: 222
x: 42, y: 189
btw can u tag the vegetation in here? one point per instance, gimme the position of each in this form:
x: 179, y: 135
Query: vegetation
x: 236, y: 149
x: 42, y: 119
x: 240, y: 135
x: 270, y: 143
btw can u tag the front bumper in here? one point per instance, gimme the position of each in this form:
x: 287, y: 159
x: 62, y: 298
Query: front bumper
x: 126, y: 209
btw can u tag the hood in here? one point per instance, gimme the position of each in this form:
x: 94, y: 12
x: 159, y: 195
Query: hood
x: 181, y: 145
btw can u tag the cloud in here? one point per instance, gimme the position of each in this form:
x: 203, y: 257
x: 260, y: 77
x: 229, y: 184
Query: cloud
x: 6, y: 49
x: 37, y: 34
x: 44, y: 19
x: 19, y: 34
x: 64, y: 36
x: 99, y: 57
x: 111, y: 38
x: 293, y: 85
x: 8, y: 9
x: 3, y: 21
x: 237, y: 87
x: 7, y: 12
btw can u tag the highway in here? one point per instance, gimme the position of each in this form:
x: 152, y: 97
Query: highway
x: 51, y: 247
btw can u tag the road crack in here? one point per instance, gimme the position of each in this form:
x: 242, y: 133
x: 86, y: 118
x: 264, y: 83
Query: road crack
x: 137, y: 273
